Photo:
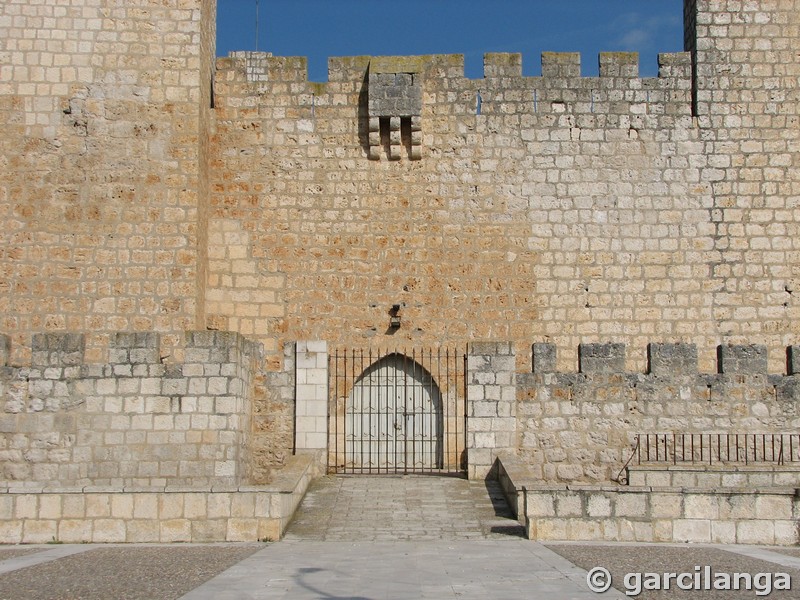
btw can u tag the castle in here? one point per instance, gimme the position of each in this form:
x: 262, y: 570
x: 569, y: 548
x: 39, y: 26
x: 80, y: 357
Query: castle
x: 208, y: 266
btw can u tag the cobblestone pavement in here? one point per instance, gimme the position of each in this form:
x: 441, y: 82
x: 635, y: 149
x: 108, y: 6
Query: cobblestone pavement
x: 370, y: 538
x: 621, y: 559
x: 130, y: 572
x: 390, y: 508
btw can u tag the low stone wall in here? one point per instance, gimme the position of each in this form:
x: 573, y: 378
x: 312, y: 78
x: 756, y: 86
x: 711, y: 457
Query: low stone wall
x: 133, y: 421
x: 650, y: 514
x: 731, y: 516
x: 233, y: 514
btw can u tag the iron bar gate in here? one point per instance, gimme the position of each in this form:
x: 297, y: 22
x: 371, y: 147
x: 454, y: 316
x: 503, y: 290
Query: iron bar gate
x: 397, y: 412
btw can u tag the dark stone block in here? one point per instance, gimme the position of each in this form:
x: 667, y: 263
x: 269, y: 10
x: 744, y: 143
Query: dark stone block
x: 491, y: 348
x: 57, y: 349
x: 793, y: 360
x: 601, y: 358
x: 5, y: 350
x: 746, y: 360
x: 544, y: 358
x: 672, y: 359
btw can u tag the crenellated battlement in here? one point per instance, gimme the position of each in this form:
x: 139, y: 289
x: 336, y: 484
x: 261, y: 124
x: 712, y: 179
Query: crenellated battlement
x: 664, y: 359
x: 560, y: 89
x: 263, y: 66
x: 67, y: 349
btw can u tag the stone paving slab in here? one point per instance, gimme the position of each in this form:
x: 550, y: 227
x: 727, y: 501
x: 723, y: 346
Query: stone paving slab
x: 128, y: 572
x: 37, y: 555
x: 467, y: 570
x: 795, y: 552
x: 8, y: 553
x: 621, y: 559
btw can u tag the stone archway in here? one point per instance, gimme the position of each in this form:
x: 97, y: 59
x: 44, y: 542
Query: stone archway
x: 393, y: 416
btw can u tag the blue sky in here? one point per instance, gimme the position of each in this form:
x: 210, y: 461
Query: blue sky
x: 322, y: 28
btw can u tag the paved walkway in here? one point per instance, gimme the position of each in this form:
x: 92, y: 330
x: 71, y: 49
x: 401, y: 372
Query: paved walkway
x: 401, y: 537
x: 367, y: 538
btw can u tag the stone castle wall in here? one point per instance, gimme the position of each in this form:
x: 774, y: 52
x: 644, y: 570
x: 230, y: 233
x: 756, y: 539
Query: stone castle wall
x: 131, y: 422
x: 147, y: 188
x: 565, y: 210
x: 561, y: 208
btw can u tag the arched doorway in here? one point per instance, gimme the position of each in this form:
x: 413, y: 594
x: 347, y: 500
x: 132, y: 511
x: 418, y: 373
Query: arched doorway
x: 391, y: 415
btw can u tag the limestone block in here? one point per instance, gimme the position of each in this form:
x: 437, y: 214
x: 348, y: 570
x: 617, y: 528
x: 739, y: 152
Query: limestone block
x: 723, y: 532
x: 316, y: 440
x: 98, y: 505
x: 243, y: 505
x: 561, y: 64
x: 145, y: 506
x: 548, y: 529
x: 774, y: 507
x: 598, y: 505
x: 11, y: 531
x: 619, y: 64
x: 74, y: 531
x: 701, y: 506
x: 170, y: 506
x: 38, y: 531
x: 584, y: 530
x: 665, y: 506
x: 659, y: 479
x: 643, y: 531
x: 143, y: 531
x: 6, y: 507
x: 242, y: 530
x: 631, y: 505
x: 542, y: 504
x: 50, y: 506
x: 206, y: 530
x: 692, y: 530
x: 108, y: 530
x: 269, y: 529
x: 194, y: 506
x: 219, y: 505
x: 662, y: 530
x: 786, y: 533
x: 755, y: 532
x: 625, y: 531
x: 57, y: 349
x: 739, y: 506
x: 175, y: 530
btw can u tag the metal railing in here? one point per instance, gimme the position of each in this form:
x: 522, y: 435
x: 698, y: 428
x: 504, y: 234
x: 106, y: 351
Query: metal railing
x: 717, y: 448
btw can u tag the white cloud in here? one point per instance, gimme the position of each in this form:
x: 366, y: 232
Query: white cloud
x: 638, y: 31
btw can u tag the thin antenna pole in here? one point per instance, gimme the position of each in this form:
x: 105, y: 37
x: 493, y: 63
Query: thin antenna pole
x: 257, y: 11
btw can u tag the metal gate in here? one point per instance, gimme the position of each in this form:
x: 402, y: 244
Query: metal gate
x: 394, y: 412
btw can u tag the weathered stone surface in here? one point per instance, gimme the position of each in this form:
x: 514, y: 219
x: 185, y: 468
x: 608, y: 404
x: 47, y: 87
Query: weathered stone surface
x: 602, y: 358
x: 749, y: 360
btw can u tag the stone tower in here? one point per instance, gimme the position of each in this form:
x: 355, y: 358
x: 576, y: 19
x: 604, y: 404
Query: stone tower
x: 104, y: 113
